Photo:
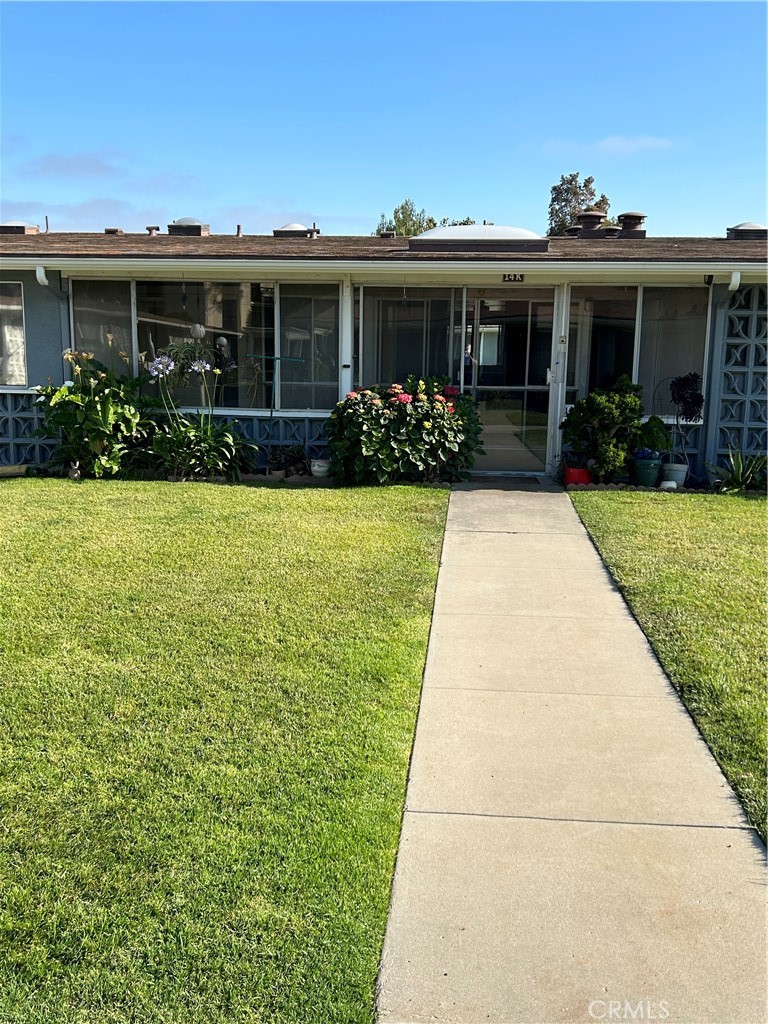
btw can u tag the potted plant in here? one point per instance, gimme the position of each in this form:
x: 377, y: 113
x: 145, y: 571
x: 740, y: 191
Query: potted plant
x: 320, y: 467
x: 276, y: 462
x: 295, y: 461
x: 654, y: 438
x: 603, y: 426
x: 688, y: 400
x: 575, y: 468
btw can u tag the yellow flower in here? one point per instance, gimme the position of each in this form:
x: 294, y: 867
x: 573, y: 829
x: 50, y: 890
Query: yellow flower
x: 427, y: 424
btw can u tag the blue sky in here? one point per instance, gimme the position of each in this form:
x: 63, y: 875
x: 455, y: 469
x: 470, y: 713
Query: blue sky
x: 128, y: 114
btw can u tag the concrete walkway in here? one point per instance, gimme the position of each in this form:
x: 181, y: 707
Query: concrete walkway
x: 570, y: 850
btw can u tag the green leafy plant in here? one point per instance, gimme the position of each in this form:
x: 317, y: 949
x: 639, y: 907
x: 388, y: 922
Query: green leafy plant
x: 743, y: 473
x: 196, y: 447
x: 653, y: 438
x: 422, y: 430
x: 688, y: 400
x: 101, y: 419
x: 603, y: 427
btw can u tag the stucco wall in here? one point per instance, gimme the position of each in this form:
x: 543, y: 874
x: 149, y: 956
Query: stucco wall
x: 46, y: 325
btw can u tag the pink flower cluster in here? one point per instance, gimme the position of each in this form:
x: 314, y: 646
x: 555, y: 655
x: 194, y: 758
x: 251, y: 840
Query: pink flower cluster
x: 403, y: 398
x: 451, y: 389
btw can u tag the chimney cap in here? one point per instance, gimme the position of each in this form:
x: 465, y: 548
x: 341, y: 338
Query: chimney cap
x: 633, y: 215
x: 113, y: 231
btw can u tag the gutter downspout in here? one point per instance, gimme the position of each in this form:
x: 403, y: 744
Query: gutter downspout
x: 42, y: 280
x: 735, y: 281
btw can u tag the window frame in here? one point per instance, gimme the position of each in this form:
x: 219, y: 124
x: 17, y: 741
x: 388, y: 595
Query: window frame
x: 20, y: 388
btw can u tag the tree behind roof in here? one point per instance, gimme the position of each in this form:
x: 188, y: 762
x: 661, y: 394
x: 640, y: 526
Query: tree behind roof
x: 407, y: 220
x: 569, y: 197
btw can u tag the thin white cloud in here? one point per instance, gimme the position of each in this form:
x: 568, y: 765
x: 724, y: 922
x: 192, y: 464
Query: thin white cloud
x: 629, y: 145
x: 88, y: 215
x: 70, y: 165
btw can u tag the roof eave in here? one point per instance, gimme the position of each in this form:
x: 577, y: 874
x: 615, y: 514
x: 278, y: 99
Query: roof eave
x: 460, y: 270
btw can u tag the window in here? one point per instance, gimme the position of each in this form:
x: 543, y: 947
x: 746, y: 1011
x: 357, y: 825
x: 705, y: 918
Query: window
x: 13, y: 363
x: 309, y: 346
x: 407, y: 331
x: 239, y: 340
x: 672, y: 342
x: 102, y: 322
x: 601, y: 340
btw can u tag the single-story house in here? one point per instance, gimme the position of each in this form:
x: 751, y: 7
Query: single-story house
x: 295, y: 320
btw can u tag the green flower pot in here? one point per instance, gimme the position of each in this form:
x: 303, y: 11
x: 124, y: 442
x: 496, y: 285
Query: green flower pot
x: 647, y: 472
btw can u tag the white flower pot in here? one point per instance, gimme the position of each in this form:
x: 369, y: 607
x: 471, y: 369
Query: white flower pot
x: 675, y: 471
x: 320, y: 467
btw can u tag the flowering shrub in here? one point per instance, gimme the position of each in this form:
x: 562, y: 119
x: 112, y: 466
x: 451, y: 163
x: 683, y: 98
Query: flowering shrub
x: 100, y: 418
x: 196, y: 447
x: 421, y: 430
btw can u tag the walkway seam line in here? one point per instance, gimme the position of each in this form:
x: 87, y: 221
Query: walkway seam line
x: 580, y: 821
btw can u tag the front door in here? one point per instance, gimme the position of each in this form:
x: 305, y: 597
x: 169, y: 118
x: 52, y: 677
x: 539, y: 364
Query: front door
x: 507, y: 358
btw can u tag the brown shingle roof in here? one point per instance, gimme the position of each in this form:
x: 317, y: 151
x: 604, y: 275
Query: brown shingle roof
x: 362, y: 247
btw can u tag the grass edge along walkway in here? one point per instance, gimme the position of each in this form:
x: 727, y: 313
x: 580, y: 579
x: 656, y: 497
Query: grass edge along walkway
x: 693, y: 570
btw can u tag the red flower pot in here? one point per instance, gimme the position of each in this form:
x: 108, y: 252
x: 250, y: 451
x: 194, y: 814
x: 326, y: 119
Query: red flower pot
x: 577, y: 476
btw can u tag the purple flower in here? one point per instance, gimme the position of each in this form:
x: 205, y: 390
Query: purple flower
x: 199, y: 366
x: 162, y: 366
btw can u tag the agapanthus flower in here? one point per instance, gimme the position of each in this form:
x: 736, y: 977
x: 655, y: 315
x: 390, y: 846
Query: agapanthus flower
x: 199, y: 366
x: 162, y: 366
x: 451, y: 389
x: 403, y: 398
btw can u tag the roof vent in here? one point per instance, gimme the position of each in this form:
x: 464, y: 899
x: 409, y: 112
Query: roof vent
x: 296, y: 230
x: 19, y: 227
x: 189, y: 226
x: 113, y: 231
x: 152, y: 229
x: 632, y: 225
x: 387, y: 234
x: 748, y: 229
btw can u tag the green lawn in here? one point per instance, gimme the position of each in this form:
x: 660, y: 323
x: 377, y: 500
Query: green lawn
x: 208, y: 701
x: 693, y: 569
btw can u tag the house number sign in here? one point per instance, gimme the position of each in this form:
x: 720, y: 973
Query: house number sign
x: 513, y: 278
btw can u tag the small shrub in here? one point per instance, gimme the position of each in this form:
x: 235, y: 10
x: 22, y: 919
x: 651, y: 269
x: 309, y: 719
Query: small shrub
x: 422, y: 430
x: 653, y: 438
x: 603, y: 427
x: 101, y: 419
x: 743, y: 473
